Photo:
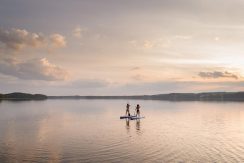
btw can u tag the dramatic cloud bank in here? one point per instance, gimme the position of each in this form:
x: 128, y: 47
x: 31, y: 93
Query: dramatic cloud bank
x: 218, y: 74
x: 17, y: 39
x: 34, y: 69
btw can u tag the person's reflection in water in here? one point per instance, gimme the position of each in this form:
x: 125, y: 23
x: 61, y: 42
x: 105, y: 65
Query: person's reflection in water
x: 138, y: 125
x: 127, y: 122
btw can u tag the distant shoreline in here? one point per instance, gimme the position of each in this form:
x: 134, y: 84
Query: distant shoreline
x: 22, y: 96
x: 209, y: 96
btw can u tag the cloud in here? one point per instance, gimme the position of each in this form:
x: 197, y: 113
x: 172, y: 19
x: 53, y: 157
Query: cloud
x: 57, y: 41
x: 34, y: 69
x: 218, y: 74
x: 17, y: 39
x: 78, y: 32
x: 148, y: 44
x: 157, y: 43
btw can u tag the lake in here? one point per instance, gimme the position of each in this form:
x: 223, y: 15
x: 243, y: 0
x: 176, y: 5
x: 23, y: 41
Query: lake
x: 91, y: 131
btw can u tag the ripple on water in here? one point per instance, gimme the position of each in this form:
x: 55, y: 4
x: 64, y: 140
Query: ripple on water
x: 180, y: 132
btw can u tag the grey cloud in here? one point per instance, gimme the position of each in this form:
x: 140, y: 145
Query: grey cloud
x: 17, y: 39
x: 218, y: 74
x: 35, y: 69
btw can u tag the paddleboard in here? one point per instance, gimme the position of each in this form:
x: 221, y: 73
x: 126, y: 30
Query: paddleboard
x: 134, y: 118
x: 126, y: 116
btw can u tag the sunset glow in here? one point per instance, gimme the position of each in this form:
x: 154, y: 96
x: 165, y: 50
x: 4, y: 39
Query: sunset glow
x: 132, y: 47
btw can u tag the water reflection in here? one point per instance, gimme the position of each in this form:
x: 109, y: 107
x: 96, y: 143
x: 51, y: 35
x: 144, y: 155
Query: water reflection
x: 89, y: 131
x: 127, y: 125
x: 138, y: 124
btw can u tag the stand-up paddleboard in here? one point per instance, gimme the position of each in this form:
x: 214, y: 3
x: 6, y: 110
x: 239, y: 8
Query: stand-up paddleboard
x: 126, y: 116
x: 134, y: 118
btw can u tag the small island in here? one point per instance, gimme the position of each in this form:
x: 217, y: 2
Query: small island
x: 22, y: 96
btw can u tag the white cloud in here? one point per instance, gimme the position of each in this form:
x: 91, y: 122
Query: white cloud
x: 57, y: 41
x: 158, y: 43
x: 148, y: 44
x: 17, y: 39
x: 34, y: 69
x: 78, y: 32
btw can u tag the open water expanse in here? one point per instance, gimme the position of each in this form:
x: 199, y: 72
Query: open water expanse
x: 91, y: 131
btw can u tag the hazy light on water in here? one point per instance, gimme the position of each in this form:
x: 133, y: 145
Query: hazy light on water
x: 91, y: 131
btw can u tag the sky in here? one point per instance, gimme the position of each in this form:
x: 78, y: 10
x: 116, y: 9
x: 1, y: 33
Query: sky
x: 121, y: 47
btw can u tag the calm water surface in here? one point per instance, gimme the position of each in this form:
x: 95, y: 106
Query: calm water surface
x: 91, y: 131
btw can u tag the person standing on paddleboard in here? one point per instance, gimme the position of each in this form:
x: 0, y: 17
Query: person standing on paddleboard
x: 138, y: 110
x: 127, y: 109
